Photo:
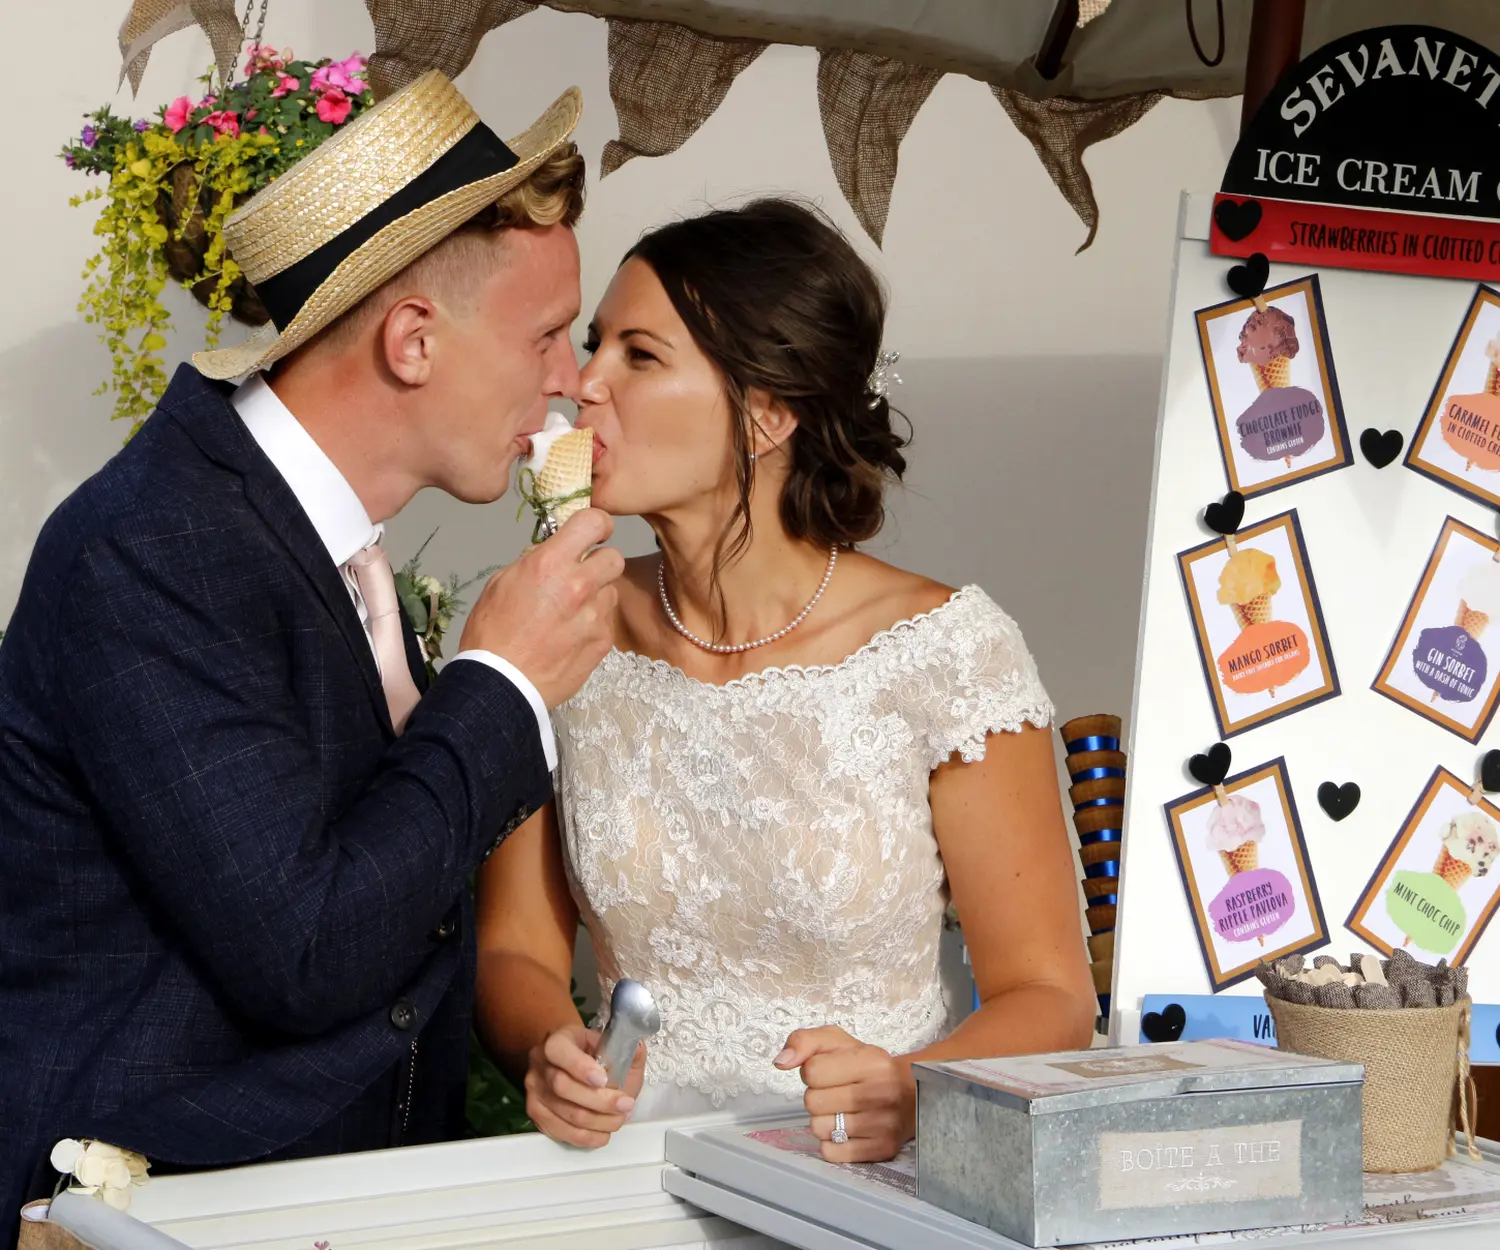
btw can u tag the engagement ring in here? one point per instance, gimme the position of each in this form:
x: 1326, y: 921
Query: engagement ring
x: 840, y: 1134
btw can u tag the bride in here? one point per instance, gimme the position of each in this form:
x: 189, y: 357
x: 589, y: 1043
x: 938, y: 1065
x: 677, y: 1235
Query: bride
x: 795, y: 751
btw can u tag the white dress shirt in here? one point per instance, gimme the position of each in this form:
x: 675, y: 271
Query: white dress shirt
x: 342, y: 522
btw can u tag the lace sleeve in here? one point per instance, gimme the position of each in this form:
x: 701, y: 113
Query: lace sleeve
x: 975, y: 677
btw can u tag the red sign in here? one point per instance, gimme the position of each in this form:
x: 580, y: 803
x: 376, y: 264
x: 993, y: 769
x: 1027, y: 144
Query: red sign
x: 1330, y: 236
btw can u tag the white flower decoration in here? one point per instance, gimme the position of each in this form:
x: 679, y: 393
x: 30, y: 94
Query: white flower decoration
x: 100, y: 1169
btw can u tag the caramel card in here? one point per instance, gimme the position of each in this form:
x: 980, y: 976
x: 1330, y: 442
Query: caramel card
x: 1258, y: 624
x: 1244, y: 866
x: 1272, y: 384
x: 1458, y: 442
x: 1436, y: 888
x: 1438, y: 665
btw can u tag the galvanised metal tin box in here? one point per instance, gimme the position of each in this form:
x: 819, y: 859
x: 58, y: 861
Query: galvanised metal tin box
x: 1140, y: 1141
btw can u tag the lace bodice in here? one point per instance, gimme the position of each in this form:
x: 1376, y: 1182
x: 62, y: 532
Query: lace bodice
x: 761, y: 854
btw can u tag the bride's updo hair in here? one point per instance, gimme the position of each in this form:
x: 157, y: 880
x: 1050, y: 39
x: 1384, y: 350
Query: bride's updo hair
x: 781, y: 303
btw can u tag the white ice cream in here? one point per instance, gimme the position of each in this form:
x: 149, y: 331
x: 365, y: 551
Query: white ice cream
x: 557, y: 425
x: 1480, y: 589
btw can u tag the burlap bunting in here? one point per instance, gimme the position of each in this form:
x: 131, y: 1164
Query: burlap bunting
x: 412, y: 38
x: 1062, y: 130
x: 150, y: 21
x: 666, y: 81
x: 868, y: 104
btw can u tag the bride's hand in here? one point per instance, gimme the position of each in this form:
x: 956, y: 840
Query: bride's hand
x: 565, y: 1094
x: 864, y: 1083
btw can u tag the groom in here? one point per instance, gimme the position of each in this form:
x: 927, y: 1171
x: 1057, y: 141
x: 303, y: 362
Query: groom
x: 235, y: 832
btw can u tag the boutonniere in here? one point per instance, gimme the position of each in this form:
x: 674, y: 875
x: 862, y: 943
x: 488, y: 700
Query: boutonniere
x: 97, y: 1168
x: 432, y: 604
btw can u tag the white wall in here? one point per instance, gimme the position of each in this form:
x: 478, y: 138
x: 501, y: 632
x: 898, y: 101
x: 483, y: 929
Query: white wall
x: 1032, y: 373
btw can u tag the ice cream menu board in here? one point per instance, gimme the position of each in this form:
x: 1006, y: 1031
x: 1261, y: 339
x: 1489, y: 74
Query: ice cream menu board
x: 1458, y: 441
x: 1258, y: 624
x: 1244, y: 864
x: 1438, y: 665
x: 1434, y: 890
x: 1274, y: 392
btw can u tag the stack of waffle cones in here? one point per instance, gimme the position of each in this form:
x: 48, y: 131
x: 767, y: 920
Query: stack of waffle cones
x: 1097, y: 766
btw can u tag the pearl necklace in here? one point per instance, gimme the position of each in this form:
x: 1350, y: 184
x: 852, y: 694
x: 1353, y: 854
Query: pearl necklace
x: 727, y: 648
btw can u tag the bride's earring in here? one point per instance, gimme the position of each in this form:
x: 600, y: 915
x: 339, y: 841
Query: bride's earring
x: 753, y: 457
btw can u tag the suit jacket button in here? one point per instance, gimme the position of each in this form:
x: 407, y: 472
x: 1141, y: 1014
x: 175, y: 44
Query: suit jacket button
x: 403, y: 1015
x: 444, y: 931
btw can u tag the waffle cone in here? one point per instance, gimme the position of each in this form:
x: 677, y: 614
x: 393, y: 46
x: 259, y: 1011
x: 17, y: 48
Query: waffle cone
x: 1275, y: 372
x: 1454, y: 871
x: 1256, y: 612
x: 1492, y: 381
x: 1471, y: 622
x: 569, y: 468
x: 1243, y: 858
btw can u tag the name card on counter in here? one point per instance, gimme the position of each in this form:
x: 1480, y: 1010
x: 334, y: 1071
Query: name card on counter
x: 1200, y: 1017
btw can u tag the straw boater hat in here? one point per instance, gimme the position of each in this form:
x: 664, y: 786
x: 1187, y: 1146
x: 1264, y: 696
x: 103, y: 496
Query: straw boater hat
x: 347, y: 218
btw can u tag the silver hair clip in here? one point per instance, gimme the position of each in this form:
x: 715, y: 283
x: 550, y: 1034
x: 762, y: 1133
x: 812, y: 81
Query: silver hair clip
x: 878, y: 385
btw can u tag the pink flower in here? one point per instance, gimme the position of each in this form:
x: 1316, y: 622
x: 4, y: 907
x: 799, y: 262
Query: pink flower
x: 250, y: 116
x: 334, y: 106
x: 341, y: 75
x: 285, y: 85
x: 177, y: 113
x: 261, y: 56
x: 225, y: 123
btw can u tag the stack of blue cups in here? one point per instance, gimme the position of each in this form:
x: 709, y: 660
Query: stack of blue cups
x: 1096, y: 768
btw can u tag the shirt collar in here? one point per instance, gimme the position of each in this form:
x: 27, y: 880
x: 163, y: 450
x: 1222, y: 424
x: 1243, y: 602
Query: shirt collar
x: 324, y: 493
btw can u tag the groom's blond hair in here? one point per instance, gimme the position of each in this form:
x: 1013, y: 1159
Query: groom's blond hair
x: 454, y: 269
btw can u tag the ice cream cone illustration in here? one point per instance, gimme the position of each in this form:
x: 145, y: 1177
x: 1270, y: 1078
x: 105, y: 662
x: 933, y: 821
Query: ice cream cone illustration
x: 1268, y: 341
x: 1246, y: 584
x: 1492, y: 375
x: 1471, y: 621
x: 1235, y: 830
x: 1478, y: 598
x: 1275, y: 372
x: 1469, y: 847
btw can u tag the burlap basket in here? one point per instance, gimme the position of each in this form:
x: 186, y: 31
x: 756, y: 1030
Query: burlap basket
x: 1417, y: 1082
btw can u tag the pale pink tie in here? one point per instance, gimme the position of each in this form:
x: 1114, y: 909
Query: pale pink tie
x: 377, y: 586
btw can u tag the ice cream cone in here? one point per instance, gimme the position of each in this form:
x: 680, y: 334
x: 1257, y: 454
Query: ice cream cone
x: 567, y: 473
x: 1243, y: 858
x: 1275, y: 372
x: 1492, y: 381
x: 1471, y: 622
x: 1454, y: 871
x: 1255, y: 612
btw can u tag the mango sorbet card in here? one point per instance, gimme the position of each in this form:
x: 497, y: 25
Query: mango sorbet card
x: 1258, y: 624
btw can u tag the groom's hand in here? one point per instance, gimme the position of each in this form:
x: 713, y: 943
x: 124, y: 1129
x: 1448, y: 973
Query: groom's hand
x: 551, y: 613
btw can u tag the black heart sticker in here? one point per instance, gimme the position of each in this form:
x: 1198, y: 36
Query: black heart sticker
x: 1381, y: 449
x: 1211, y: 767
x: 1237, y: 220
x: 1165, y: 1026
x: 1489, y: 771
x: 1225, y: 517
x: 1338, y: 801
x: 1249, y: 280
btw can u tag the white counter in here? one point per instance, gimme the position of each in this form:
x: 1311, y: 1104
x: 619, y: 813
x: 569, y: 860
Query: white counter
x: 522, y: 1191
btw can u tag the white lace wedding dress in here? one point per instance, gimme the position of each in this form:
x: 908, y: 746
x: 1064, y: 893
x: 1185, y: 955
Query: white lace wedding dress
x: 761, y: 854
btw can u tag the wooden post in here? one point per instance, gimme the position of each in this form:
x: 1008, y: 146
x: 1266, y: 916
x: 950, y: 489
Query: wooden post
x: 1275, y: 46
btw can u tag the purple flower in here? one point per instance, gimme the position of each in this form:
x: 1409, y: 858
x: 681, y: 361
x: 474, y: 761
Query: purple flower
x: 90, y: 136
x: 142, y: 126
x: 70, y: 161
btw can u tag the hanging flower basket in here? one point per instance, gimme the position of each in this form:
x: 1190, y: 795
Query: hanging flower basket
x: 174, y: 181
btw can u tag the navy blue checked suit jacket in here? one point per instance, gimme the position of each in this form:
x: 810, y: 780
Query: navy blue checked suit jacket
x: 231, y: 898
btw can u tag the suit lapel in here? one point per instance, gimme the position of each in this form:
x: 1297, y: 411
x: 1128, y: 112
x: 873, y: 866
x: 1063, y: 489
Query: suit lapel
x: 204, y: 410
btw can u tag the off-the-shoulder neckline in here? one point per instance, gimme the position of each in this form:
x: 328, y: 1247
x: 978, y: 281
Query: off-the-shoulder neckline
x: 663, y: 668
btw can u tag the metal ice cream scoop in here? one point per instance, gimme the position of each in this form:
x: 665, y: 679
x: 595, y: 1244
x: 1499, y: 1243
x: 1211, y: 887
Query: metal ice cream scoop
x: 633, y: 1018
